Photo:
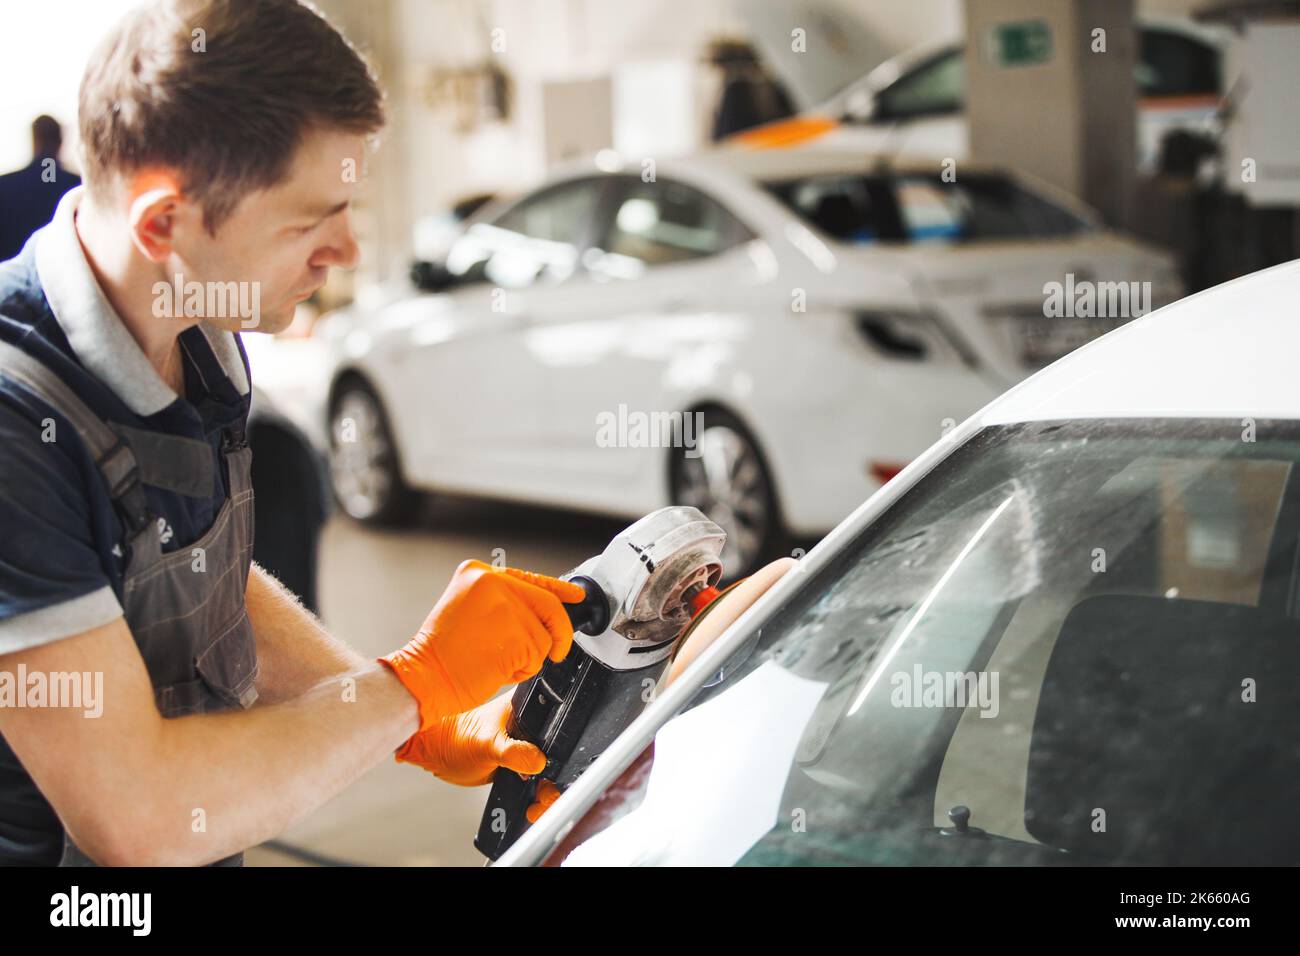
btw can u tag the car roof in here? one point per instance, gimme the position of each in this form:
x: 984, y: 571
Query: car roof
x: 775, y: 164
x: 1232, y: 351
x: 764, y: 165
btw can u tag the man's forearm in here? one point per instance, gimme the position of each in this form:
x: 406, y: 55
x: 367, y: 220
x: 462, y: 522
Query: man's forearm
x: 325, y: 716
x: 231, y: 780
x: 294, y: 651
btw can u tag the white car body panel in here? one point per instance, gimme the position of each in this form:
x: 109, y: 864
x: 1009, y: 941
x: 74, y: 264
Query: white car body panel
x: 1227, y: 352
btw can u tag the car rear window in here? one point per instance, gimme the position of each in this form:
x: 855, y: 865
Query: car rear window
x: 861, y: 209
x: 979, y: 207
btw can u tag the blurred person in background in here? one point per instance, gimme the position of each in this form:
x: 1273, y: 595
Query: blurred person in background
x: 29, y: 196
x: 750, y: 95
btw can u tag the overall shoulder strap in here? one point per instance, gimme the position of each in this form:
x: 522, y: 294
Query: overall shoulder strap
x: 112, y: 455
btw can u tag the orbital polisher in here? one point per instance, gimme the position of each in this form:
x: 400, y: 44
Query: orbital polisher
x: 642, y: 592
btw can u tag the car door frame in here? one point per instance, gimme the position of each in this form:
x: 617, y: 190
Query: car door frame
x: 669, y: 298
x: 482, y: 454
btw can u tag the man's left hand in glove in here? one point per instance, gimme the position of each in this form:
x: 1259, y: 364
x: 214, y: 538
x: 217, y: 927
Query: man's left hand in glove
x: 467, y: 748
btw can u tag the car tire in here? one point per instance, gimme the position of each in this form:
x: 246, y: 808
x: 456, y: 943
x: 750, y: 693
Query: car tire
x: 730, y: 481
x: 365, y: 468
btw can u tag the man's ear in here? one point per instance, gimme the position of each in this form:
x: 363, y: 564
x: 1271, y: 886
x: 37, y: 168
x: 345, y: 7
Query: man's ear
x: 152, y: 219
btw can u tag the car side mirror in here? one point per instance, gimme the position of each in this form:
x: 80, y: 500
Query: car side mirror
x: 431, y: 276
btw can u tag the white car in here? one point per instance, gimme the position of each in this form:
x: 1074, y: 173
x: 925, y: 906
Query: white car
x: 1069, y: 633
x: 765, y: 335
x: 914, y: 103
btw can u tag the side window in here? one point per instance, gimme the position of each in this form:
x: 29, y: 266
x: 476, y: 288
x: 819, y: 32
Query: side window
x: 664, y: 222
x: 535, y: 241
x: 1170, y: 64
x: 844, y: 207
x: 934, y: 88
x: 979, y: 207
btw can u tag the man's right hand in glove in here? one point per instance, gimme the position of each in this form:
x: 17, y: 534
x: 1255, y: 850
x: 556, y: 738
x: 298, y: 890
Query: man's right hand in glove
x: 491, y: 627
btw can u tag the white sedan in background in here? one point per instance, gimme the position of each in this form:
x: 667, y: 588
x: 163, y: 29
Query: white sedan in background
x: 767, y: 336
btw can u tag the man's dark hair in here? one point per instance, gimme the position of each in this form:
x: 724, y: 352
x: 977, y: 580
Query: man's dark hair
x: 47, y: 137
x: 222, y: 91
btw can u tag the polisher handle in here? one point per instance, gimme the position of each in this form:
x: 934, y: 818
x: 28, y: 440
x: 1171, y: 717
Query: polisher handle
x: 591, y: 614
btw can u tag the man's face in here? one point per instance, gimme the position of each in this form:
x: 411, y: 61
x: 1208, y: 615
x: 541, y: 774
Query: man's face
x: 282, y: 241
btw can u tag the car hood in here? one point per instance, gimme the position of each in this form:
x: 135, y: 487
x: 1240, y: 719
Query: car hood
x: 845, y: 48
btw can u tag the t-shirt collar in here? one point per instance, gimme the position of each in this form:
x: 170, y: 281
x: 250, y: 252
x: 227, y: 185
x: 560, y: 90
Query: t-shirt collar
x: 96, y: 333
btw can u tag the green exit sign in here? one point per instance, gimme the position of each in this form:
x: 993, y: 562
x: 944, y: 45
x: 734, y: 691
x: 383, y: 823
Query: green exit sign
x: 1022, y: 43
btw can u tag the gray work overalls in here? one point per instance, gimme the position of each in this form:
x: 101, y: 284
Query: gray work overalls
x: 185, y: 608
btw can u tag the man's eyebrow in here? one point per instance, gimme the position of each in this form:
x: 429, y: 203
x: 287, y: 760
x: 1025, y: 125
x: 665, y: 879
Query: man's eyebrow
x: 319, y: 212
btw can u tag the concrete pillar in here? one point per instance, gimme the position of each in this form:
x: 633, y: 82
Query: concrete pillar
x: 383, y: 217
x: 1050, y: 92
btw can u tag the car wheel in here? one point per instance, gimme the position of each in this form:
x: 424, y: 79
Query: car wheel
x: 726, y: 477
x: 364, y: 464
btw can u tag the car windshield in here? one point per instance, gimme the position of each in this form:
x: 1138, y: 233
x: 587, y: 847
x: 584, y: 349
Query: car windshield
x: 932, y: 88
x: 1069, y: 643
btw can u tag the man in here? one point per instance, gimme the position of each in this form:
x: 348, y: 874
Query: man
x: 161, y: 701
x: 28, y: 196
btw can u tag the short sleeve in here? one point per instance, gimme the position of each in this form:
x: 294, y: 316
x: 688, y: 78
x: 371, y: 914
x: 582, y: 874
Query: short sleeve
x: 53, y: 583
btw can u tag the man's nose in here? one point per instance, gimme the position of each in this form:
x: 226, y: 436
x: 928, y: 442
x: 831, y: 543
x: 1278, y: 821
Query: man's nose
x: 341, y: 247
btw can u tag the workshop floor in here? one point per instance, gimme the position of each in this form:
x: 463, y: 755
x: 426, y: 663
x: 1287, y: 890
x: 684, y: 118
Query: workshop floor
x: 376, y: 588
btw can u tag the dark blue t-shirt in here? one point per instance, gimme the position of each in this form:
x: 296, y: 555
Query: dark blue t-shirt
x: 61, y: 540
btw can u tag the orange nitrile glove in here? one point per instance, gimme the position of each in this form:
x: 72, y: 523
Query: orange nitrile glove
x: 491, y: 627
x: 547, y: 793
x: 466, y: 749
